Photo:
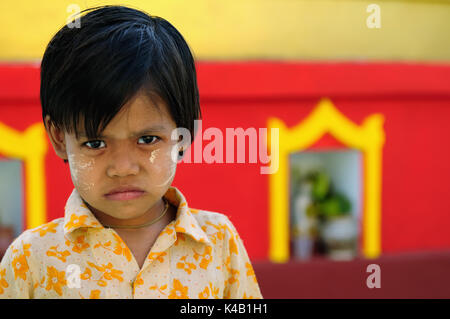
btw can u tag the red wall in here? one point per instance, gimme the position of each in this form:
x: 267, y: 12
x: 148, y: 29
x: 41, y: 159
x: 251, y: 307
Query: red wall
x: 414, y: 99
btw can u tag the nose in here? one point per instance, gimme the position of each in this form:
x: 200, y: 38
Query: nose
x: 123, y: 163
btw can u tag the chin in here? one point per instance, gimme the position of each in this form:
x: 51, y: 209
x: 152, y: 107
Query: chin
x: 123, y: 215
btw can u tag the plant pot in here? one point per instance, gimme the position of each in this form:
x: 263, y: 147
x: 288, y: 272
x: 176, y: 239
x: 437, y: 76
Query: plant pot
x: 340, y: 236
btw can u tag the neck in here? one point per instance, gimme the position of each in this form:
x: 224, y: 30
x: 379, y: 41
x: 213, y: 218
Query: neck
x: 153, y: 213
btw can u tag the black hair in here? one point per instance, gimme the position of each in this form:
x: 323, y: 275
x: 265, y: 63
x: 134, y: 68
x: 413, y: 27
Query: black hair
x: 90, y: 72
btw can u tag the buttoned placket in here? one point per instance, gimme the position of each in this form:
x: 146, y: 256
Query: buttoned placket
x: 161, y: 245
x: 129, y: 273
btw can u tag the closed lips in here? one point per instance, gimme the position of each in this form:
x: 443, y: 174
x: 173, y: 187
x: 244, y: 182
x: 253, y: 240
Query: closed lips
x: 124, y: 190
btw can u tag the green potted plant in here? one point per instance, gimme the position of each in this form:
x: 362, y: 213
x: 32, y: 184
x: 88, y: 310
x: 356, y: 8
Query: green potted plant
x: 337, y: 226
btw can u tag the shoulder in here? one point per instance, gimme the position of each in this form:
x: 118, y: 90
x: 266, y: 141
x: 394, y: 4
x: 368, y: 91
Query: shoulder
x: 39, y: 238
x: 50, y: 229
x: 214, y: 222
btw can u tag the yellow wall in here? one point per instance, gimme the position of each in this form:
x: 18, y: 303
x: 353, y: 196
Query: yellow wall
x: 257, y: 29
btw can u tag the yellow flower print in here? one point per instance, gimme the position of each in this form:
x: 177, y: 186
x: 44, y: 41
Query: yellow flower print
x: 46, y: 228
x: 234, y: 273
x: 40, y: 284
x: 219, y: 234
x: 178, y: 228
x: 139, y: 281
x: 233, y: 246
x: 206, y: 260
x: 168, y: 230
x: 20, y: 267
x: 247, y: 297
x: 94, y: 223
x: 87, y: 274
x: 101, y: 269
x: 212, y: 237
x: 206, y: 257
x: 111, y: 273
x: 79, y: 245
x: 178, y: 291
x: 55, y: 280
x: 26, y: 249
x: 250, y: 271
x: 217, y: 227
x: 186, y: 266
x: 121, y: 248
x: 108, y: 273
x: 227, y: 263
x: 3, y: 282
x: 234, y: 276
x: 204, y: 294
x: 76, y: 221
x: 160, y: 289
x: 105, y: 245
x: 61, y: 255
x: 193, y: 210
x: 212, y: 225
x: 180, y: 238
x: 157, y: 255
x: 214, y: 291
x: 95, y: 294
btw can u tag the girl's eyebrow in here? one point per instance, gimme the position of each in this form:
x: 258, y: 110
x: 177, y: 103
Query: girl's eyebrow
x: 152, y: 129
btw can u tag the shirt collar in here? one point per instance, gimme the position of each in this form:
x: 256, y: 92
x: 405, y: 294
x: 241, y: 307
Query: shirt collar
x: 185, y: 222
x: 78, y: 215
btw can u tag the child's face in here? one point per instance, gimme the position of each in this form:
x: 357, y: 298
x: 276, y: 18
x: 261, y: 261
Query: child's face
x: 121, y: 158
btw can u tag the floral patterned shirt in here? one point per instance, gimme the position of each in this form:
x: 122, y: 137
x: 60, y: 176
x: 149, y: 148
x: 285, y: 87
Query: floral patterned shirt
x: 197, y: 255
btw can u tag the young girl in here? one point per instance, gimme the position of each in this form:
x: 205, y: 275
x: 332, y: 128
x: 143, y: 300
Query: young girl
x: 113, y: 91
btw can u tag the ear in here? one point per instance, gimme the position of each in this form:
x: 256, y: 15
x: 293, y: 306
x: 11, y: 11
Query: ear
x: 57, y: 138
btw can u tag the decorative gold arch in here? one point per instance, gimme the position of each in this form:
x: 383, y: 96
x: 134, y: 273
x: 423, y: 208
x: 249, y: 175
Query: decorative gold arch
x: 31, y: 147
x: 325, y: 118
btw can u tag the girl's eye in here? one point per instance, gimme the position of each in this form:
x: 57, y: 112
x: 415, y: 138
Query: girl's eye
x: 94, y: 144
x: 148, y: 139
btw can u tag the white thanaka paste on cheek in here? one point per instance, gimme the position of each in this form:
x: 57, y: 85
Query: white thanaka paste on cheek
x: 153, y: 155
x: 171, y: 171
x: 87, y: 186
x: 152, y: 159
x: 78, y: 168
